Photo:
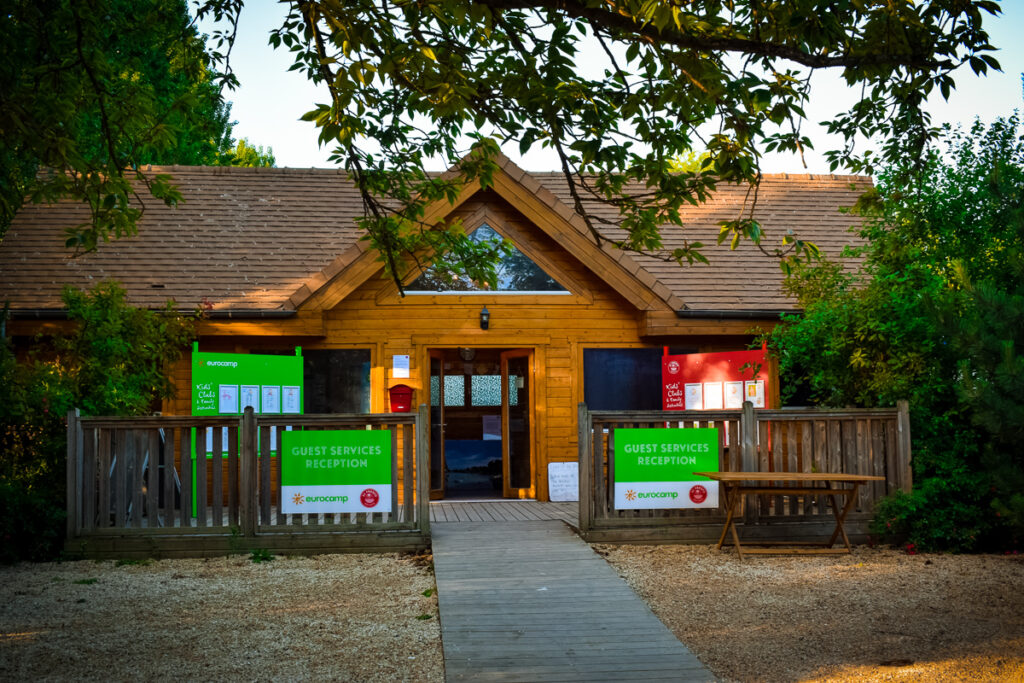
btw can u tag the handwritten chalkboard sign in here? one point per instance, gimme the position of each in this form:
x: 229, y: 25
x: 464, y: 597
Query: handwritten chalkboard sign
x: 563, y: 481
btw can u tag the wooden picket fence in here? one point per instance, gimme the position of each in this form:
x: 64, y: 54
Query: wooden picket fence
x: 852, y: 441
x: 200, y: 486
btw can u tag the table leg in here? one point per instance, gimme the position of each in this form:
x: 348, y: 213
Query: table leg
x: 730, y: 504
x: 736, y: 536
x: 840, y: 516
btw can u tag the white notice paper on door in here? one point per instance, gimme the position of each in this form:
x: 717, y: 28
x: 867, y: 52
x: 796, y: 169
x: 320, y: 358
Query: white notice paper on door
x: 492, y: 427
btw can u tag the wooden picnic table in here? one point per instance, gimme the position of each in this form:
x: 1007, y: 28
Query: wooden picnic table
x: 739, y: 484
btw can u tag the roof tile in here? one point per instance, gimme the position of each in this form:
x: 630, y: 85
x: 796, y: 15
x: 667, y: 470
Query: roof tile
x: 266, y: 238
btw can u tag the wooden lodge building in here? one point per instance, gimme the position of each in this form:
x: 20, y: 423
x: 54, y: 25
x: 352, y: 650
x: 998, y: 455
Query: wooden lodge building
x: 275, y: 256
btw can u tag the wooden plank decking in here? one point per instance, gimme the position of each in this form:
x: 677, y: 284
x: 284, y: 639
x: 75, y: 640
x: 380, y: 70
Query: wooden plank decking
x: 530, y: 601
x: 502, y: 510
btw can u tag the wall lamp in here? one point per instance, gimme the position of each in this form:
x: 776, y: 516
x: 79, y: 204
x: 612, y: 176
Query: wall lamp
x: 485, y: 318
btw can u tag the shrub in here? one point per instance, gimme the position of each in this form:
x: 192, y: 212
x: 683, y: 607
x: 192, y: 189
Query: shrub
x: 31, y: 525
x: 114, y: 362
x: 935, y: 316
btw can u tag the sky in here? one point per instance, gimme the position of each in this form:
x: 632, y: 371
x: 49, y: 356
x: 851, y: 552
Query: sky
x: 270, y: 100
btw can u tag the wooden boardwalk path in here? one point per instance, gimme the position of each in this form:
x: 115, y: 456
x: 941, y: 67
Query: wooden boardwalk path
x: 530, y: 601
x: 502, y: 510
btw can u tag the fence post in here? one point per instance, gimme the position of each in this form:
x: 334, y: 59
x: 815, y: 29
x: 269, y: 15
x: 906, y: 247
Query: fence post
x: 905, y: 473
x: 748, y: 438
x: 423, y: 469
x: 585, y: 442
x: 247, y: 501
x: 74, y: 474
x: 748, y: 455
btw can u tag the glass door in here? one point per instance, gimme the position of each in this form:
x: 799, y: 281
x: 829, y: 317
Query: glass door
x: 517, y: 425
x: 436, y: 424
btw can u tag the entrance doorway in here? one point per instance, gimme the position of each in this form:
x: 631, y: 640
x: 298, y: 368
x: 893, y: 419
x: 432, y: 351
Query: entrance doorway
x: 481, y: 426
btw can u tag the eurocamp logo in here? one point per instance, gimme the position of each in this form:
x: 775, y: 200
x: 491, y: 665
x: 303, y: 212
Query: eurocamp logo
x: 298, y: 499
x: 660, y: 494
x: 630, y: 494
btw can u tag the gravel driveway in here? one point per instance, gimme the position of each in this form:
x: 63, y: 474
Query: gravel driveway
x: 331, y: 617
x: 877, y: 615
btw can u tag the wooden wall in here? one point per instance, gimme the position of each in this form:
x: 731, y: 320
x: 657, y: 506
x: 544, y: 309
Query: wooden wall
x: 558, y: 327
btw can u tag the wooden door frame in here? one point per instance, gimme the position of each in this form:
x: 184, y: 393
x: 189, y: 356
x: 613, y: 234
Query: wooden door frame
x: 535, y: 352
x: 439, y: 492
x: 506, y: 489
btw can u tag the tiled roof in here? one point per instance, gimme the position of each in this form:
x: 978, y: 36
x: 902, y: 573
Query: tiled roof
x: 244, y: 239
x: 250, y: 238
x: 807, y: 205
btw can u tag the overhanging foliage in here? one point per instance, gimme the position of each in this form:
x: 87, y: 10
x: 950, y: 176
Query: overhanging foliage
x: 437, y: 79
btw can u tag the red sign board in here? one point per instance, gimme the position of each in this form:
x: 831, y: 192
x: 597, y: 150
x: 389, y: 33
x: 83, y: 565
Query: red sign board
x: 714, y: 381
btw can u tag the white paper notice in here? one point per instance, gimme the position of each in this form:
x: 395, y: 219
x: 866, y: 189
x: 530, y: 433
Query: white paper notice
x: 712, y: 395
x: 223, y: 439
x: 733, y: 395
x: 399, y: 367
x: 273, y: 436
x: 291, y: 400
x: 694, y: 397
x: 271, y: 399
x: 250, y: 397
x: 563, y: 481
x: 492, y: 427
x: 755, y: 392
x: 228, y: 399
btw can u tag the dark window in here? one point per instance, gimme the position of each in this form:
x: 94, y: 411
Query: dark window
x: 516, y: 273
x: 336, y: 380
x: 623, y: 379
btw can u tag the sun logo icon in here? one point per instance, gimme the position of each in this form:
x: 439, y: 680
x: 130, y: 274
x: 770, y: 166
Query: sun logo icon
x: 298, y: 499
x: 630, y: 494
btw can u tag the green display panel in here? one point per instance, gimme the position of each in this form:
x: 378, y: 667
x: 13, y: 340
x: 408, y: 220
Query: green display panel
x: 225, y: 383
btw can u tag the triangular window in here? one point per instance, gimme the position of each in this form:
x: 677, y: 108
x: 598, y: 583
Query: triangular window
x: 516, y: 273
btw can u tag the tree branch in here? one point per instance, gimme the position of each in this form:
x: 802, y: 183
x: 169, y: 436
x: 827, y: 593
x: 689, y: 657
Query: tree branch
x: 628, y: 24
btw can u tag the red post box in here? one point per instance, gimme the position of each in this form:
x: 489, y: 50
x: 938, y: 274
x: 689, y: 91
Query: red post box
x: 401, y: 398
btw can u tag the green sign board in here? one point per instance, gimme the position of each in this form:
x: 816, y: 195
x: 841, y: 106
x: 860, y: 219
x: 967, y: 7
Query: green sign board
x: 226, y: 383
x: 347, y: 470
x: 654, y: 468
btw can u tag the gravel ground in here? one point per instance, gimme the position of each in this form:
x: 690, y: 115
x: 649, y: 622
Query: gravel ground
x: 332, y: 617
x: 875, y: 615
